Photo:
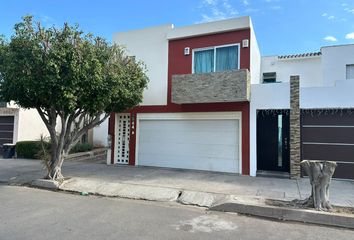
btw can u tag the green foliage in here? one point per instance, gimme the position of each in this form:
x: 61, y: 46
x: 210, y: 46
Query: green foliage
x: 67, y: 70
x: 81, y: 147
x: 31, y: 149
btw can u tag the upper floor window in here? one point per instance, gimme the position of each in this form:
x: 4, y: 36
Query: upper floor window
x: 269, y: 77
x: 216, y: 59
x: 350, y: 71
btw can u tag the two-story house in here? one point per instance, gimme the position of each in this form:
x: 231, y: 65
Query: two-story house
x: 195, y: 112
x: 214, y: 104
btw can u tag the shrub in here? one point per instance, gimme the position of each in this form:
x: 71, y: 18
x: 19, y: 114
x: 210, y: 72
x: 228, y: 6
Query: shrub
x: 81, y: 147
x: 30, y: 149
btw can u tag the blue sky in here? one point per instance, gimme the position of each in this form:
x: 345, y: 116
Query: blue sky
x: 282, y: 26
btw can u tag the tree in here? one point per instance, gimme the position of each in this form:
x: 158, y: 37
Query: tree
x: 74, y: 80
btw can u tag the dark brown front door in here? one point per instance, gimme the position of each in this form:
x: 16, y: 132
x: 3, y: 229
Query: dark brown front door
x: 273, y: 140
x: 329, y: 135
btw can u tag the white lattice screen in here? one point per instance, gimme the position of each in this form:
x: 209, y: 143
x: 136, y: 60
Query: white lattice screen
x: 123, y: 136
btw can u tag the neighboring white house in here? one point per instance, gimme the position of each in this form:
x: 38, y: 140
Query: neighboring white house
x: 326, y: 95
x: 18, y: 124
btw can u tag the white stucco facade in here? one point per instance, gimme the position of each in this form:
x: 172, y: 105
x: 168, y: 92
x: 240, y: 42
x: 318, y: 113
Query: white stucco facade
x: 255, y: 61
x: 309, y: 68
x: 334, y: 61
x: 100, y: 134
x: 149, y: 45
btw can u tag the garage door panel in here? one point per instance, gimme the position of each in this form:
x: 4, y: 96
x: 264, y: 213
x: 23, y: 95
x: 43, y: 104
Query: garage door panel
x: 7, y: 119
x: 190, y: 125
x: 193, y: 138
x: 193, y: 150
x: 6, y: 130
x: 329, y: 135
x: 336, y: 119
x: 198, y: 163
x: 6, y: 134
x: 328, y: 152
x: 6, y: 127
x: 344, y: 170
x: 211, y: 145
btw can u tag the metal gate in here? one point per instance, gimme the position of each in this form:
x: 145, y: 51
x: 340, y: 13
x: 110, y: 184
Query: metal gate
x: 123, y: 137
x: 329, y: 135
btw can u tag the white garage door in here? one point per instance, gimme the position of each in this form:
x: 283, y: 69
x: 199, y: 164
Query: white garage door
x: 211, y: 145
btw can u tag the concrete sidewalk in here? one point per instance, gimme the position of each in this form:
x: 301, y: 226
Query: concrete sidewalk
x: 105, y: 178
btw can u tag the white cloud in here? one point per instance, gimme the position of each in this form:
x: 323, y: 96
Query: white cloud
x: 246, y: 2
x: 275, y: 7
x: 217, y: 10
x: 330, y: 39
x: 349, y: 10
x: 210, y: 2
x: 331, y: 17
x: 344, y: 4
x: 324, y: 14
x: 350, y: 36
x: 252, y: 10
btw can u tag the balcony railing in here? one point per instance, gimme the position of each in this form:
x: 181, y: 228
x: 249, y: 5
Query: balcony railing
x: 228, y: 86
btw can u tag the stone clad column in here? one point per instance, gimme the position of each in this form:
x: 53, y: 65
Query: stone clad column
x: 295, y: 127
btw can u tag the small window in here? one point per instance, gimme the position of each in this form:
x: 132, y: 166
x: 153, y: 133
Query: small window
x: 216, y: 59
x: 350, y: 71
x: 269, y: 77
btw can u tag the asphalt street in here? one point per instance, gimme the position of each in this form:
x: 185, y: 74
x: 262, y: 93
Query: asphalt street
x: 27, y: 213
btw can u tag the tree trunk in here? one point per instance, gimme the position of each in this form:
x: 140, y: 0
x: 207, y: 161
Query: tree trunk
x: 73, y: 127
x: 320, y: 174
x: 56, y: 161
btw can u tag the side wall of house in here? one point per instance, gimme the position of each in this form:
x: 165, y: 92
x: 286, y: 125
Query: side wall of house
x: 30, y: 125
x: 334, y: 61
x: 150, y: 46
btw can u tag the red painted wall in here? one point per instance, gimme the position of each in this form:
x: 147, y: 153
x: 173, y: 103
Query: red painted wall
x: 178, y: 63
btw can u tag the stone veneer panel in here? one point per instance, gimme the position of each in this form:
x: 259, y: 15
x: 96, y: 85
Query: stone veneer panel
x: 295, y: 150
x: 228, y: 86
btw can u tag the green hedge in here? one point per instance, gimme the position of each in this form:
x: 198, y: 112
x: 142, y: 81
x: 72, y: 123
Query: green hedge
x: 81, y: 147
x: 30, y: 149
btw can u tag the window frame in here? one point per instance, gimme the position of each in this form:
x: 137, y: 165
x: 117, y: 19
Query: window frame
x: 275, y: 77
x: 214, y: 49
x: 346, y: 71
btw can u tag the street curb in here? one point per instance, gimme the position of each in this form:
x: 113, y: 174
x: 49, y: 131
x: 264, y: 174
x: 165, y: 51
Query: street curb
x: 213, y: 202
x: 121, y: 190
x: 201, y: 199
x: 288, y: 214
x: 45, y: 183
